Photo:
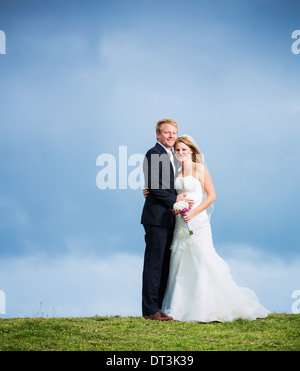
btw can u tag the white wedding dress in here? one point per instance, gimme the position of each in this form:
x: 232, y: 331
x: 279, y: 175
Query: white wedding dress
x: 200, y: 287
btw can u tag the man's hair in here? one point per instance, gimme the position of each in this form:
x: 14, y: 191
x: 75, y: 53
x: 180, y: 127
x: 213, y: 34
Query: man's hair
x: 165, y: 121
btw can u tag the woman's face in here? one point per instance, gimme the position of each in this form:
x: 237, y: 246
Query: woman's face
x: 182, y: 152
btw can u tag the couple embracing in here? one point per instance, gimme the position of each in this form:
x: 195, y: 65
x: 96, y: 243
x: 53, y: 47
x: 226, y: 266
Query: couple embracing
x: 183, y: 277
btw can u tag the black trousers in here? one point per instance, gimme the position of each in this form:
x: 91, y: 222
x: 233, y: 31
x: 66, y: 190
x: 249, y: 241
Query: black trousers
x: 156, y: 266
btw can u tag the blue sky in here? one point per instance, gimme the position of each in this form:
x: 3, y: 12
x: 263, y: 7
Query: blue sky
x: 82, y: 78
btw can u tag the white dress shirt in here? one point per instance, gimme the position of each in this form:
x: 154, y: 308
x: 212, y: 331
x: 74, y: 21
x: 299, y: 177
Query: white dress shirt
x: 171, y: 155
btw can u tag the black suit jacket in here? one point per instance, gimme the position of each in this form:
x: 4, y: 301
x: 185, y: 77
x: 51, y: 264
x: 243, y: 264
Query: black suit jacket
x: 159, y: 180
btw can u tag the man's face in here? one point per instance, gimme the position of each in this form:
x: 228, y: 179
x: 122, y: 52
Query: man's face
x: 167, y: 135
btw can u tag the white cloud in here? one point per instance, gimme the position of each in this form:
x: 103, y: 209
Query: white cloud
x: 72, y: 285
x: 81, y: 285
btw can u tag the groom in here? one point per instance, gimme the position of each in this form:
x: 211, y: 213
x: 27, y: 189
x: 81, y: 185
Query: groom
x: 158, y: 219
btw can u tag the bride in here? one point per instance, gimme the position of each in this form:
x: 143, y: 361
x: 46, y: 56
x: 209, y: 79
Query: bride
x: 200, y: 287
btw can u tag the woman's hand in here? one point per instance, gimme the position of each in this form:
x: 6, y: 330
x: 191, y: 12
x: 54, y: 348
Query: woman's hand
x: 187, y: 217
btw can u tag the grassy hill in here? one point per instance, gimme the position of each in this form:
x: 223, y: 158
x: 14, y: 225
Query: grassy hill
x: 277, y: 332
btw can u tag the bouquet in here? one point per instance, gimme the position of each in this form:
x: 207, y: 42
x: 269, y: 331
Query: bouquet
x: 182, y: 207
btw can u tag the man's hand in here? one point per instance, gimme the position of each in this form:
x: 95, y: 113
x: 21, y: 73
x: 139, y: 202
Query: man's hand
x: 180, y: 197
x: 145, y: 192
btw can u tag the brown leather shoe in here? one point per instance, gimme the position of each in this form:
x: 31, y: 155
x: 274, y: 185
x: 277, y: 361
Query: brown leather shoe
x: 165, y: 315
x: 157, y: 317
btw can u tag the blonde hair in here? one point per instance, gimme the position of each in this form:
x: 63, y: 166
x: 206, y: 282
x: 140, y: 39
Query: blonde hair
x: 196, y: 155
x: 165, y: 121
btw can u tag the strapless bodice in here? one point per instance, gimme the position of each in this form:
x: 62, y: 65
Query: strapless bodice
x: 190, y: 186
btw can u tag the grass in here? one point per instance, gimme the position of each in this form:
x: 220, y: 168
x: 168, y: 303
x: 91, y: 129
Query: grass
x: 277, y: 332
